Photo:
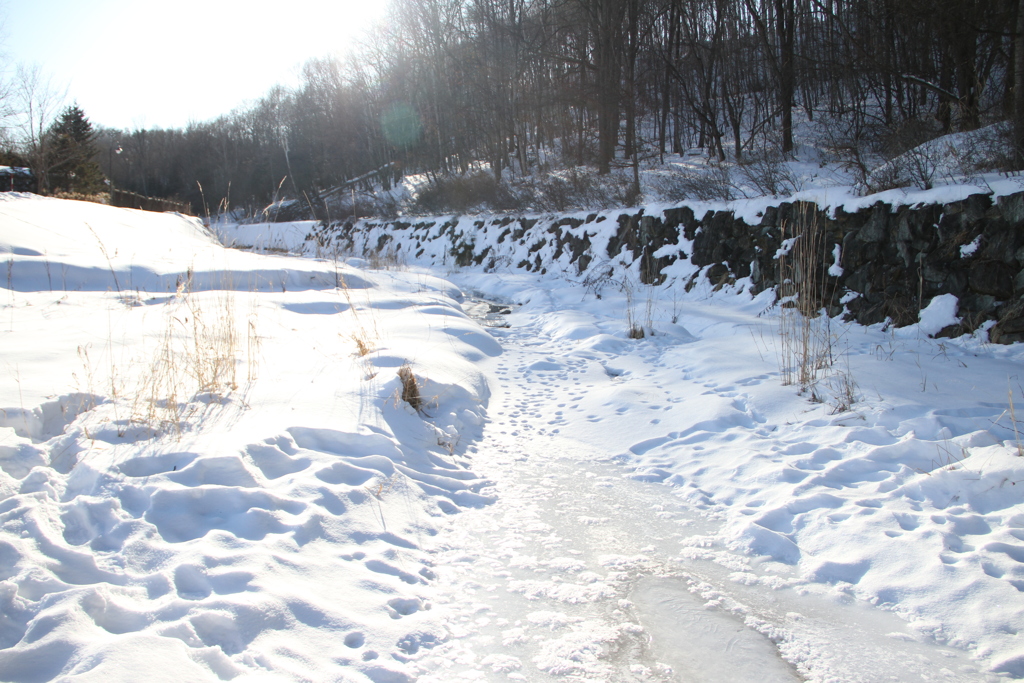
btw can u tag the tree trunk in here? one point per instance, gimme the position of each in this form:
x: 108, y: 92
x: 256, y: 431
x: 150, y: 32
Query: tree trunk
x: 1018, y: 88
x: 785, y: 25
x: 608, y: 52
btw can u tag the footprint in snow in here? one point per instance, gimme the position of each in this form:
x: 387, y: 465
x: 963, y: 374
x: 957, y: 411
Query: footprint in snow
x: 403, y: 607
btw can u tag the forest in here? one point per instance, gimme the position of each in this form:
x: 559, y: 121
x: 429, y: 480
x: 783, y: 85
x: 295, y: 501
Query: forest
x: 517, y: 88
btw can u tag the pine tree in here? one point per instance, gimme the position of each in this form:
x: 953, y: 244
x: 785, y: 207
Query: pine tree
x: 73, y: 166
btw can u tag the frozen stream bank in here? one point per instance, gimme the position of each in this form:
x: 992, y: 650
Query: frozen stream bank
x: 584, y: 570
x: 219, y: 472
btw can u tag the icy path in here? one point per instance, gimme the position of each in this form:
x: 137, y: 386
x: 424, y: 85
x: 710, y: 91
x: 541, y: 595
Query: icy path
x: 581, y: 572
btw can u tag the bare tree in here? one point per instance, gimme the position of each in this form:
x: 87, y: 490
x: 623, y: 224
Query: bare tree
x: 37, y: 101
x: 447, y: 84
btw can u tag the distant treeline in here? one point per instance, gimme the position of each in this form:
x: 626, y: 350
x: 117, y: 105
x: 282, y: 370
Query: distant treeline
x: 528, y: 83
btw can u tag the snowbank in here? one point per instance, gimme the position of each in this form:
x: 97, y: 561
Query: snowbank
x: 61, y: 245
x: 201, y: 478
x: 264, y: 236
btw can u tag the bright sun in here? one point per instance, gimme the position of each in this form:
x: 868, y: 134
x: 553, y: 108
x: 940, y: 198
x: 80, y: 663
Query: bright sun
x: 132, y: 64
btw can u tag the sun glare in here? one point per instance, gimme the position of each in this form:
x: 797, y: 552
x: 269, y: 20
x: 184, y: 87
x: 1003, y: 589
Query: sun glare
x: 131, y: 64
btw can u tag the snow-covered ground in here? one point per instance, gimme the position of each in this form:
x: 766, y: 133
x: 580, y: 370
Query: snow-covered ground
x: 205, y: 478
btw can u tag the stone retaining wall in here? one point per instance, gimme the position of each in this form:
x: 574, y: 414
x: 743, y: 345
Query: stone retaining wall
x: 892, y: 261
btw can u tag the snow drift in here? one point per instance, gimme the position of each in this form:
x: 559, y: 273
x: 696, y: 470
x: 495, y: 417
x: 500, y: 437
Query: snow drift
x: 275, y: 520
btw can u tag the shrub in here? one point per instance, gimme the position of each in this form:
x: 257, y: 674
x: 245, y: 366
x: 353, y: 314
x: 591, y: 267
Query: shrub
x: 97, y: 198
x: 956, y: 157
x: 768, y: 173
x: 713, y: 184
x: 850, y: 143
x: 463, y: 193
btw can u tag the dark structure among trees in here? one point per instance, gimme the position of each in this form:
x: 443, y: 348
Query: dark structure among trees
x: 17, y: 179
x: 524, y: 84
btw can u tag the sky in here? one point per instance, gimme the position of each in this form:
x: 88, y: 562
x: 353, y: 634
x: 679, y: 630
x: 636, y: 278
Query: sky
x: 132, y: 64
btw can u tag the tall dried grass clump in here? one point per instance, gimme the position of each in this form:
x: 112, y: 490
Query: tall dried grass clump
x: 638, y: 324
x: 195, y: 363
x: 366, y: 335
x: 805, y: 350
x: 390, y: 259
x: 410, y: 388
x: 808, y: 349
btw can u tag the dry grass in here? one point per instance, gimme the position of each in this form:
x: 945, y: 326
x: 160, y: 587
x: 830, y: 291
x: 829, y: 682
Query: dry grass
x: 1013, y: 421
x: 637, y: 326
x: 809, y: 342
x: 410, y: 388
x: 253, y: 345
x: 806, y: 348
x: 363, y: 344
x: 366, y: 335
x: 843, y: 388
x: 194, y: 364
x: 389, y: 259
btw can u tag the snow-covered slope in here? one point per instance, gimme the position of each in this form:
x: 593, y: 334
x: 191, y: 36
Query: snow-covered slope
x: 202, y: 485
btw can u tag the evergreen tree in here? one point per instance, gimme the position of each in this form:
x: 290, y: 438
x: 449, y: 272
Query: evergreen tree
x: 73, y: 166
x: 9, y: 157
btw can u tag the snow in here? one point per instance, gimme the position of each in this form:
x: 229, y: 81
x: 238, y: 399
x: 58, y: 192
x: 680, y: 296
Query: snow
x: 786, y: 247
x: 836, y: 270
x: 263, y: 236
x: 231, y: 529
x: 202, y: 478
x: 939, y: 313
x: 967, y: 250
